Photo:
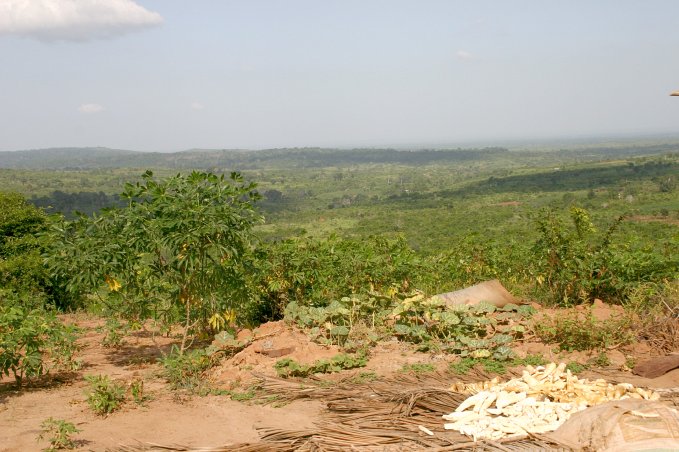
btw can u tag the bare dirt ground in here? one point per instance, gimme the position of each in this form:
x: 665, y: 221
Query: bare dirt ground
x: 172, y: 417
x: 168, y: 418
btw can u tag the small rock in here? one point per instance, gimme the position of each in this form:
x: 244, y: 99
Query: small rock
x: 278, y: 352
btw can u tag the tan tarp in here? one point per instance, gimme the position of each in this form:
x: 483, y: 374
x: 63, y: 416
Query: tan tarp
x: 621, y: 426
x: 492, y: 292
x: 656, y: 367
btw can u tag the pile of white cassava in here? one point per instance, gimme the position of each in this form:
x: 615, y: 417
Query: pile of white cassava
x: 538, y: 402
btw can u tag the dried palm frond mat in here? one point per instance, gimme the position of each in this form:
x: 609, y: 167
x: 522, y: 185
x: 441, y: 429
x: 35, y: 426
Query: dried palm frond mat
x: 401, y: 413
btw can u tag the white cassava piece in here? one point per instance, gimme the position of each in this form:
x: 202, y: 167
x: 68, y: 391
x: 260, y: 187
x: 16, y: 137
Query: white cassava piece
x: 538, y: 402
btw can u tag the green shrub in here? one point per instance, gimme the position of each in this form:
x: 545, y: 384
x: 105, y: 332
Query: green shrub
x: 576, y: 367
x: 22, y: 242
x: 21, y: 267
x: 311, y: 272
x: 600, y: 360
x: 115, y: 331
x: 582, y: 331
x: 576, y: 263
x: 185, y: 371
x: 364, y: 377
x: 58, y: 432
x: 530, y: 360
x: 139, y: 395
x: 33, y: 340
x: 176, y: 253
x: 243, y: 396
x: 104, y: 396
x: 464, y: 365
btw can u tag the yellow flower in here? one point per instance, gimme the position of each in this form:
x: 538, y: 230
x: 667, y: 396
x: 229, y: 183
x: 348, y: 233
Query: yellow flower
x: 230, y: 316
x: 112, y: 284
x: 218, y: 321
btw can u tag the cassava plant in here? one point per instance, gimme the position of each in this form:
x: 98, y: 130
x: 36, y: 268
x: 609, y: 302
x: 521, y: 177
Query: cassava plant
x: 33, y: 340
x: 58, y: 432
x: 573, y: 261
x: 176, y: 252
x: 104, y: 395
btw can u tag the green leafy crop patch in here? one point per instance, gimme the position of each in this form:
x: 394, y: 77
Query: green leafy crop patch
x: 494, y: 365
x: 479, y: 331
x: 290, y: 368
x: 418, y: 368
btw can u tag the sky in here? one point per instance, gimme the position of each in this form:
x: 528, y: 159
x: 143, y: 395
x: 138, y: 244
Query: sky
x: 169, y: 75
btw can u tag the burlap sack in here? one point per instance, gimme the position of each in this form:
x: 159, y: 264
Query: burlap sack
x: 621, y: 426
x: 492, y: 292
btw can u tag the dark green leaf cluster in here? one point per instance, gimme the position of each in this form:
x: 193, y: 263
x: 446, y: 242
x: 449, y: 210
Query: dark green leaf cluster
x: 21, y: 267
x: 428, y: 322
x: 574, y: 263
x: 312, y: 272
x: 185, y: 370
x: 461, y: 329
x: 583, y: 178
x: 32, y: 339
x: 290, y: 368
x: 493, y: 365
x: 104, y: 395
x: 71, y: 204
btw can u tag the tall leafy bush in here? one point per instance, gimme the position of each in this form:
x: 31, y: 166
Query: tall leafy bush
x: 176, y: 252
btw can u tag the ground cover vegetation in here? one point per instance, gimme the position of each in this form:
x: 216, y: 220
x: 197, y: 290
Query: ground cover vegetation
x: 290, y: 368
x: 58, y: 432
x: 356, y: 322
x: 347, y: 246
x: 33, y: 340
x: 104, y: 396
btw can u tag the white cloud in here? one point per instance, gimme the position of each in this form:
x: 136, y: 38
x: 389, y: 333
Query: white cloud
x: 90, y: 108
x: 463, y: 55
x: 73, y: 20
x: 197, y: 106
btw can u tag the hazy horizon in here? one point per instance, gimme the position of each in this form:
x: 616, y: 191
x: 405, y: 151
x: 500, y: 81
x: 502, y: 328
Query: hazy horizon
x: 511, y: 144
x: 166, y: 75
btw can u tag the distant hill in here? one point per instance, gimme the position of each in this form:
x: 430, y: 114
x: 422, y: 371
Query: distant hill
x: 100, y: 157
x: 64, y: 157
x: 237, y: 159
x: 91, y: 158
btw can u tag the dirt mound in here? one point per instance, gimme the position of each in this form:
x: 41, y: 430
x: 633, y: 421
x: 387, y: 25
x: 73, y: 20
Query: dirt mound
x: 267, y: 344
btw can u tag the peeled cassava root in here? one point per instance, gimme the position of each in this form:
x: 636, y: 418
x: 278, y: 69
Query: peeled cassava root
x: 538, y: 402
